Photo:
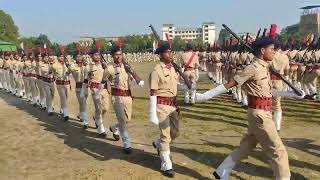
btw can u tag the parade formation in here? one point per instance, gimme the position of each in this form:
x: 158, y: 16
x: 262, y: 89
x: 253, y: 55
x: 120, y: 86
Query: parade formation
x: 256, y: 73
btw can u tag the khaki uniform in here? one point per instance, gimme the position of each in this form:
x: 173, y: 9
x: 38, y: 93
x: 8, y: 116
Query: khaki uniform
x: 190, y: 72
x: 40, y: 86
x: 78, y: 72
x: 8, y: 74
x: 63, y: 84
x: 261, y: 128
x: 280, y: 64
x: 32, y: 76
x: 2, y: 82
x: 164, y: 80
x: 121, y: 98
x: 48, y: 85
x: 100, y: 97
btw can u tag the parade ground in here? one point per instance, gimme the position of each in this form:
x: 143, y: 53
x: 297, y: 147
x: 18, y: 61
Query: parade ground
x: 35, y: 146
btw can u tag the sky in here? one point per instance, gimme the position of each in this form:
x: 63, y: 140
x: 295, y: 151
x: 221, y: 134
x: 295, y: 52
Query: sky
x: 64, y: 21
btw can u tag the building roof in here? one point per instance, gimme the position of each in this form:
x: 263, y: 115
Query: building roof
x: 5, y: 43
x: 310, y: 7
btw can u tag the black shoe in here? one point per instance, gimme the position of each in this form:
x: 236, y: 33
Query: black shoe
x: 215, y: 174
x: 102, y: 135
x: 44, y: 108
x: 66, y: 118
x: 127, y: 150
x: 154, y: 145
x: 85, y: 126
x: 168, y: 173
x: 50, y: 113
x: 115, y: 136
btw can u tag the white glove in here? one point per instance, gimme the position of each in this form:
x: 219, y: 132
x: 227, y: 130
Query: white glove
x: 153, y: 110
x: 141, y: 83
x: 197, y: 74
x: 211, y: 93
x: 276, y: 92
x: 182, y: 70
x: 285, y: 86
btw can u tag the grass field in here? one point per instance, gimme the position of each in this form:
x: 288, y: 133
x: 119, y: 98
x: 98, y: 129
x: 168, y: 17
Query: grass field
x: 34, y: 146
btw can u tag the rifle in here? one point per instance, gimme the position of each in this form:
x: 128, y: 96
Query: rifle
x: 298, y: 92
x: 174, y: 65
x: 258, y: 34
x: 264, y: 32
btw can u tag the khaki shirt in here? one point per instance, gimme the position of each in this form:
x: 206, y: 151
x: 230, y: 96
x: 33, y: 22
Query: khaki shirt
x: 117, y: 75
x: 38, y: 65
x: 45, y: 70
x: 255, y: 78
x: 60, y: 71
x: 194, y: 62
x: 96, y: 72
x: 78, y: 72
x: 15, y: 65
x: 164, y: 80
x: 1, y: 63
x: 7, y: 64
x: 280, y: 62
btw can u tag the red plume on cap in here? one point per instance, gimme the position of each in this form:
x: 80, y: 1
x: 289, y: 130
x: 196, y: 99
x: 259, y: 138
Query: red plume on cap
x: 78, y: 47
x: 98, y: 44
x: 168, y: 39
x: 250, y: 39
x: 120, y: 42
x: 39, y: 50
x: 61, y: 49
x: 292, y: 41
x: 273, y: 31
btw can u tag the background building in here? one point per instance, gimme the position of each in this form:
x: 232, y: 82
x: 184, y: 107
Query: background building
x: 207, y: 32
x: 310, y: 20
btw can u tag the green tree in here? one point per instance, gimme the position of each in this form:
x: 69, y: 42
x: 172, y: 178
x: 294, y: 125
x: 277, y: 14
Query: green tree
x: 8, y: 30
x: 223, y: 34
x: 290, y: 32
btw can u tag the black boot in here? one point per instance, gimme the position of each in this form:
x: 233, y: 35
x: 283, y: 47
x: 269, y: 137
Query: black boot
x: 115, y: 136
x: 102, y: 135
x: 215, y: 174
x: 168, y: 173
x: 127, y: 150
x: 66, y: 118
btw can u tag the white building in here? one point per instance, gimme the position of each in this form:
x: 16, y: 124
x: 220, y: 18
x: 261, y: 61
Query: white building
x: 207, y: 32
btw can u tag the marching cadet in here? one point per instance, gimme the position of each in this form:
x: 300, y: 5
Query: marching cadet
x: 78, y: 70
x: 31, y: 66
x: 100, y: 98
x: 41, y: 91
x: 163, y: 106
x: 25, y: 79
x: 280, y: 64
x: 15, y: 72
x: 261, y: 128
x: 191, y: 64
x: 61, y: 75
x: 11, y: 74
x: 6, y: 71
x: 119, y: 79
x: 47, y: 82
x: 1, y: 71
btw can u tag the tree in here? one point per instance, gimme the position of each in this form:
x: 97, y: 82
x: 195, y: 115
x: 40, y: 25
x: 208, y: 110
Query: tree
x: 8, y: 30
x: 178, y: 43
x: 290, y: 32
x: 41, y: 40
x: 223, y: 34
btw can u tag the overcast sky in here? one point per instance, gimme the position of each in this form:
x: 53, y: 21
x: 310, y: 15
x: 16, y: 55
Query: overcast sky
x: 66, y: 20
